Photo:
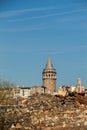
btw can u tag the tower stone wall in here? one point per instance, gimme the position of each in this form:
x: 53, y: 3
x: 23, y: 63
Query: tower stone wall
x: 49, y: 76
x: 79, y: 87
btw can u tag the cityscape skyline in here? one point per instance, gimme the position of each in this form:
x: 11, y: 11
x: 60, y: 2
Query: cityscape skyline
x: 31, y: 31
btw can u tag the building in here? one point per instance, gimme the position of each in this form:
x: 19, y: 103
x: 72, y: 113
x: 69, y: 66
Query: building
x: 38, y: 90
x: 85, y: 92
x: 65, y: 90
x: 49, y: 76
x: 25, y: 92
x: 79, y: 87
x: 22, y: 92
x: 62, y: 91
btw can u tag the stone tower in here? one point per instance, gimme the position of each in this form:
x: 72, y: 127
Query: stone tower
x: 49, y: 76
x: 79, y: 86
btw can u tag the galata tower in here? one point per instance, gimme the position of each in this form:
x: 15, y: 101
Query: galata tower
x: 49, y: 76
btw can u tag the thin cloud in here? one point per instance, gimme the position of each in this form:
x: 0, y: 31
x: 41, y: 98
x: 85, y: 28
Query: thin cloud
x: 17, y: 12
x: 35, y: 28
x: 48, y: 15
x: 71, y: 19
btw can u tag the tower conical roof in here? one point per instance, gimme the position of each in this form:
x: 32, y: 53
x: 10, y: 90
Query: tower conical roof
x: 49, y: 64
x: 79, y: 81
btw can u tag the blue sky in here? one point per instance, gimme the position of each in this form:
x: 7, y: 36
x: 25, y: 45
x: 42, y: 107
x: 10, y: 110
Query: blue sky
x: 30, y: 30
